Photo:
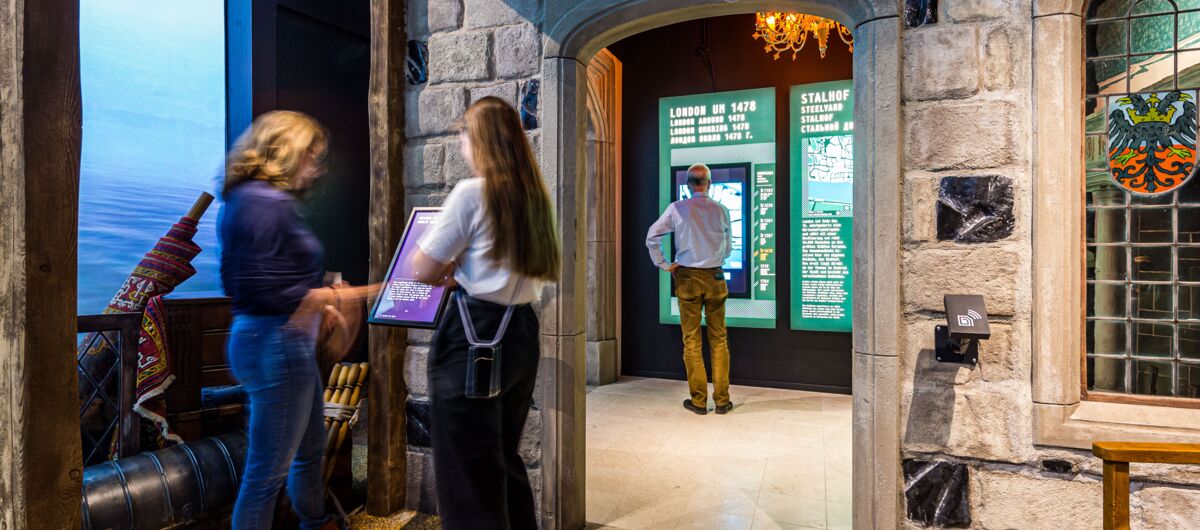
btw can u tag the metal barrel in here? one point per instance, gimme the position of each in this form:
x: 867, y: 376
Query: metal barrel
x: 165, y: 488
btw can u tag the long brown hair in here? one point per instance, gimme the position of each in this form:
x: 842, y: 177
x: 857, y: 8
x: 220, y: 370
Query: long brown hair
x: 514, y: 197
x: 271, y: 149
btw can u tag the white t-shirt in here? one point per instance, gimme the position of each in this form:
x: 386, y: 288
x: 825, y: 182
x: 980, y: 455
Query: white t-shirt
x: 463, y: 235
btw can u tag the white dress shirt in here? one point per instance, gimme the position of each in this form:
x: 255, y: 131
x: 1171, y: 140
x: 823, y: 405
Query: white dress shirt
x: 463, y: 234
x: 703, y: 236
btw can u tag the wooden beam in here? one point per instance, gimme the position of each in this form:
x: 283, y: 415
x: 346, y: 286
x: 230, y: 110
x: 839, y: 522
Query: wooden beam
x: 40, y: 462
x: 12, y: 274
x: 1149, y: 453
x: 386, y: 441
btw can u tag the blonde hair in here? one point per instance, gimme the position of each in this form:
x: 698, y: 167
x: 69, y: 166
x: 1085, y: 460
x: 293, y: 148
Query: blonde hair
x: 514, y: 197
x: 271, y: 149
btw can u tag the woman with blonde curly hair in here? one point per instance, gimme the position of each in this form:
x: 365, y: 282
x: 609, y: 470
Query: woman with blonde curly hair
x: 272, y: 268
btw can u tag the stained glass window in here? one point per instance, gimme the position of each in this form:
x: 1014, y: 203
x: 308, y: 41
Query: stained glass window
x: 1143, y: 250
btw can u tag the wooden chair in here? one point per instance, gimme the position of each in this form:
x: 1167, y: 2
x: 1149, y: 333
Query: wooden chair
x: 1117, y: 456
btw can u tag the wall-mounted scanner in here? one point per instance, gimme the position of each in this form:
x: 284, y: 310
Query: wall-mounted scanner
x: 966, y: 325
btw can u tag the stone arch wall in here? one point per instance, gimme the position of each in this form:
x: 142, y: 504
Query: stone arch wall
x: 573, y: 32
x: 603, y: 218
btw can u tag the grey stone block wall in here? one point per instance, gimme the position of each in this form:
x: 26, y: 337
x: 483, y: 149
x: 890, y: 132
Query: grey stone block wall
x: 477, y: 48
x: 967, y: 103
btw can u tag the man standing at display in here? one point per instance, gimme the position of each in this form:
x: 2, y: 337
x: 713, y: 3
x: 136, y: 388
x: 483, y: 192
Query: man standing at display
x: 703, y: 241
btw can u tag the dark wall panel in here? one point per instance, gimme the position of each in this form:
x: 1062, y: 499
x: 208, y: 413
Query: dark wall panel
x: 663, y: 63
x: 323, y: 70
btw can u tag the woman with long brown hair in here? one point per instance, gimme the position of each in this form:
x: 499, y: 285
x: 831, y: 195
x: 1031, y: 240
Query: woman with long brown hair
x: 495, y: 239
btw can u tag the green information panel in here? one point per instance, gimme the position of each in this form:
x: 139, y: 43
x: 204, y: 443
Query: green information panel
x: 733, y: 133
x: 822, y: 197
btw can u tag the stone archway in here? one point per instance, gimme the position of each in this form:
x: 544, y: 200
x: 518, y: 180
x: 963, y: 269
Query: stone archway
x: 574, y: 32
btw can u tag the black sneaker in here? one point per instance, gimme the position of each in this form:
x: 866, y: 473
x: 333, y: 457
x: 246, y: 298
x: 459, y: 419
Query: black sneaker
x: 722, y: 409
x: 687, y: 404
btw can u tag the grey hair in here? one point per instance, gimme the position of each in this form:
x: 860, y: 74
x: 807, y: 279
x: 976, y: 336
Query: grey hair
x: 694, y: 167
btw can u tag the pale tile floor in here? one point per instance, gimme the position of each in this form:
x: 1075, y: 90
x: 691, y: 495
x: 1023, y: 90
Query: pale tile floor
x: 779, y: 460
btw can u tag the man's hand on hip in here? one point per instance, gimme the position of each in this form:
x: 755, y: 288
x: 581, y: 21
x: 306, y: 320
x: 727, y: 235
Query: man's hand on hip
x: 672, y: 268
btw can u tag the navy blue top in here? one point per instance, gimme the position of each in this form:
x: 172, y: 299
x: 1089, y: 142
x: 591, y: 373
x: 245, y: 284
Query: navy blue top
x: 269, y: 257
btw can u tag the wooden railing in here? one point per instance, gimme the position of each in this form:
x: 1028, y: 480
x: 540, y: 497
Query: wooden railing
x: 109, y: 426
x: 1117, y: 456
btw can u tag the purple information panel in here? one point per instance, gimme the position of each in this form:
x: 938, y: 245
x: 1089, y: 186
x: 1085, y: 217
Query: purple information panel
x: 404, y: 301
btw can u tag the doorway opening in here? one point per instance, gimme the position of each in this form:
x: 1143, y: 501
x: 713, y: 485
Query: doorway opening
x: 705, y: 91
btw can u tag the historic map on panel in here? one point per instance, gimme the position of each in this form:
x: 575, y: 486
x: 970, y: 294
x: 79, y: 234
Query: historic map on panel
x: 829, y: 167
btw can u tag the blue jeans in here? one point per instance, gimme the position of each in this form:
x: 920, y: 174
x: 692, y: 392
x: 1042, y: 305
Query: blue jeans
x: 278, y: 368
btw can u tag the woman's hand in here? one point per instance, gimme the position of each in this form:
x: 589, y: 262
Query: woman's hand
x: 431, y: 271
x: 447, y: 279
x: 307, y: 315
x: 346, y: 292
x: 333, y: 316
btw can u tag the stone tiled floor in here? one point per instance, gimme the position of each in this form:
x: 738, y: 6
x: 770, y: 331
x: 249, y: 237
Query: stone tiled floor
x: 779, y: 460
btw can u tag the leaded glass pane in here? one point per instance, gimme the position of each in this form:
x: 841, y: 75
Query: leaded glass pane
x: 1106, y: 374
x: 1188, y: 381
x: 1149, y: 7
x: 1151, y: 225
x: 1153, y: 301
x: 1107, y: 337
x: 1189, y: 32
x: 1101, y: 9
x: 1152, y: 378
x: 1107, y: 263
x: 1187, y: 229
x: 1142, y: 251
x: 1094, y: 115
x: 1107, y: 76
x: 1189, y: 341
x: 1100, y: 188
x: 1106, y: 225
x: 1106, y: 300
x: 1153, y: 339
x: 1189, y: 193
x: 1152, y: 264
x: 1189, y: 302
x: 1188, y: 263
x: 1152, y: 34
x: 1107, y: 38
x: 1165, y: 199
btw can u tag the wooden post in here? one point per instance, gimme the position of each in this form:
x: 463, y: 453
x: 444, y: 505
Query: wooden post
x: 386, y: 441
x: 1116, y: 495
x: 1117, y: 456
x: 131, y: 331
x: 40, y: 462
x: 200, y: 206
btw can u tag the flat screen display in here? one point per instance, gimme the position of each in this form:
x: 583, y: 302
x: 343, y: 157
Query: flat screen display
x: 730, y: 183
x: 733, y: 133
x: 403, y: 301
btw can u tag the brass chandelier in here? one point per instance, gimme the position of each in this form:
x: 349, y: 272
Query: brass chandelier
x: 789, y: 32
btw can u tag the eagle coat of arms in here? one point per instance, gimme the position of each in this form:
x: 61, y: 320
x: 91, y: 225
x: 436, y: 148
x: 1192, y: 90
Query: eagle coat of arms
x: 1152, y: 141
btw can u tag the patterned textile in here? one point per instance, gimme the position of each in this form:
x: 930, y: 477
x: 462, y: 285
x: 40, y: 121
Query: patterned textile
x: 162, y: 269
x: 167, y: 265
x: 154, y: 372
